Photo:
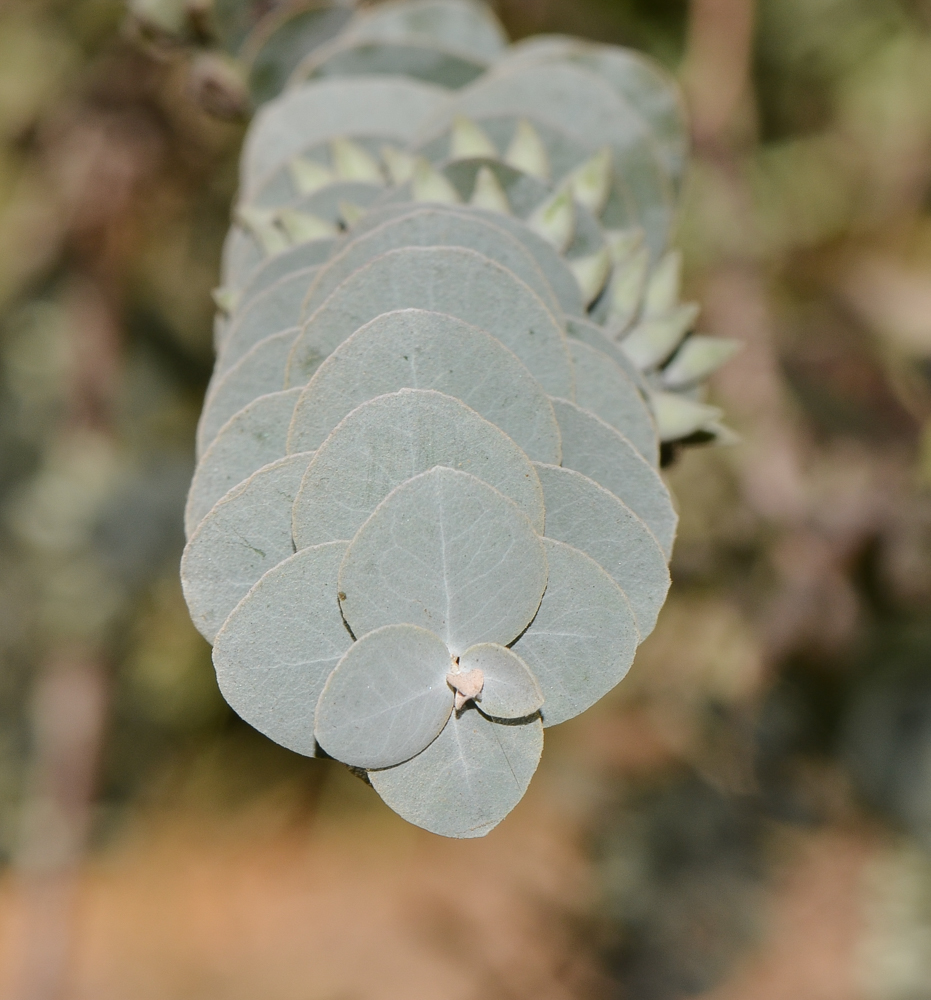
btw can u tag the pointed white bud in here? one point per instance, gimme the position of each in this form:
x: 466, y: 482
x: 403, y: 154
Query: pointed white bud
x: 591, y: 182
x: 663, y: 285
x: 260, y: 223
x: 678, y: 416
x: 428, y: 184
x: 301, y: 227
x: 554, y: 219
x: 591, y: 272
x: 352, y: 162
x: 399, y: 164
x: 526, y: 152
x: 308, y: 175
x: 467, y: 140
x: 488, y: 193
x: 696, y: 359
x: 626, y: 293
x: 651, y: 341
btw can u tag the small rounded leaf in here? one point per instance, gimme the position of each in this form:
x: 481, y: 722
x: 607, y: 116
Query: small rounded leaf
x: 257, y: 373
x: 453, y: 280
x: 509, y: 690
x: 387, y: 698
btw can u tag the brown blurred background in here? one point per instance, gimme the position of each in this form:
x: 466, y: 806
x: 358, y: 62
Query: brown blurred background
x: 748, y: 817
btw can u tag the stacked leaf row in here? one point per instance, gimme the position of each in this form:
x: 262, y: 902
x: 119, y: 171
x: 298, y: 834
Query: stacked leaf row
x: 427, y: 520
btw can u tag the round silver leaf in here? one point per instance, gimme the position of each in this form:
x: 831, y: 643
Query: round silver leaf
x: 431, y: 227
x: 590, y: 518
x: 257, y: 373
x: 279, y: 645
x: 452, y: 280
x: 597, y: 450
x: 583, y: 639
x: 387, y: 699
x: 510, y: 690
x: 392, y: 438
x: 449, y: 553
x: 602, y: 388
x: 247, y: 533
x: 254, y: 437
x: 415, y: 349
x: 468, y: 779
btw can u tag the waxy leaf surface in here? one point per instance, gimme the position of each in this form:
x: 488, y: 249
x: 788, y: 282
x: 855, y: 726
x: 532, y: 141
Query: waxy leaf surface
x: 387, y: 699
x: 415, y: 349
x: 449, y: 553
x: 279, y: 645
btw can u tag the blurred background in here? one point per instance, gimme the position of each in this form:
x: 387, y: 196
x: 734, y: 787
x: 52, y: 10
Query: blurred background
x: 747, y: 817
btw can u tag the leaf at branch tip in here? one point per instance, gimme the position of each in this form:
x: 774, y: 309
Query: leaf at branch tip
x: 353, y: 163
x: 591, y: 272
x: 468, y: 779
x: 591, y: 182
x: 489, y: 194
x: 350, y: 212
x: 527, y: 152
x: 663, y: 286
x: 467, y: 140
x: 509, y: 690
x: 678, y: 417
x: 597, y: 450
x: 626, y: 292
x: 261, y: 224
x: 603, y: 388
x: 246, y: 533
x: 387, y: 699
x: 277, y: 648
x: 428, y: 184
x: 416, y: 349
x: 696, y: 359
x: 651, y: 341
x: 584, y: 637
x: 252, y: 438
x: 446, y: 552
x: 301, y: 227
x: 392, y: 438
x: 554, y: 220
x: 586, y: 516
x: 399, y: 164
x: 308, y: 175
